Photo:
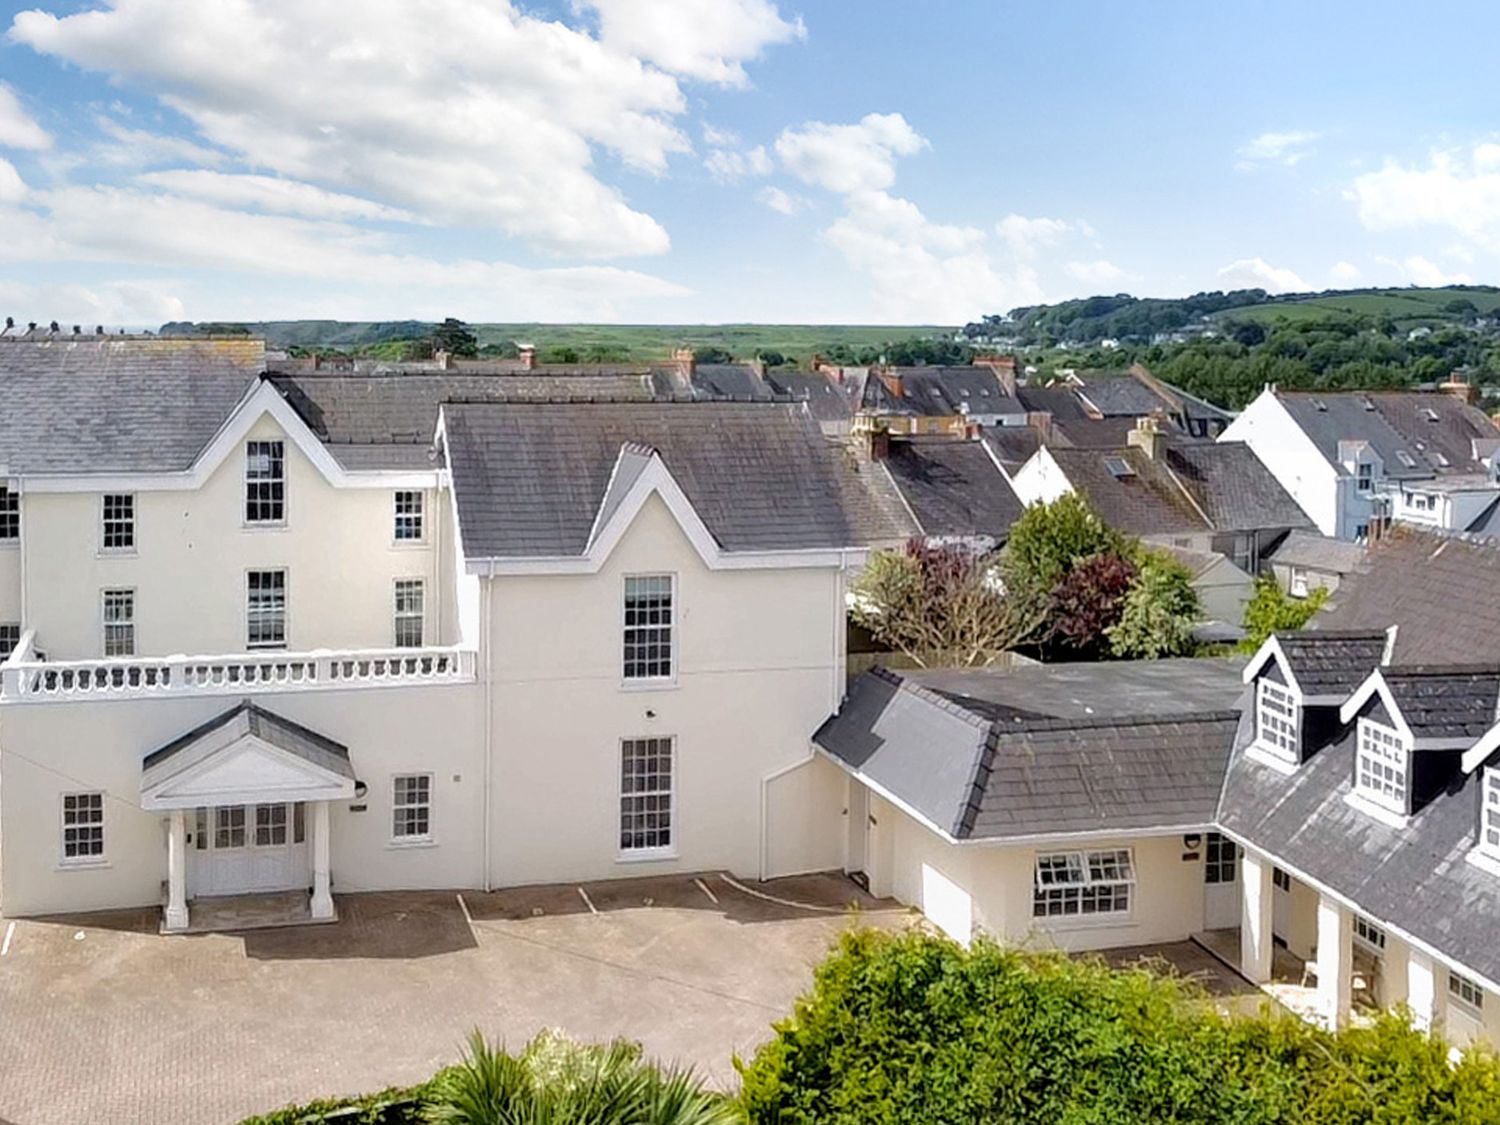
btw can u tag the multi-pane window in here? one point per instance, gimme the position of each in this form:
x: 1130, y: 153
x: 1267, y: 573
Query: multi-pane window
x: 1297, y: 582
x: 1281, y: 879
x: 10, y: 638
x: 10, y: 515
x: 119, y: 622
x: 82, y: 827
x: 409, y: 527
x: 1220, y: 859
x: 265, y: 482
x: 229, y: 826
x: 1465, y: 990
x: 411, y: 806
x: 648, y: 627
x: 1365, y: 477
x: 409, y: 612
x: 270, y: 825
x: 1083, y: 884
x: 1368, y: 934
x: 265, y: 609
x: 1276, y: 719
x: 1380, y: 761
x: 118, y: 531
x: 1489, y: 812
x: 645, y: 794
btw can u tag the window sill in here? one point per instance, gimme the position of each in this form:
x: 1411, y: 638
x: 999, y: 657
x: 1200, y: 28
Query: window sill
x: 663, y: 684
x: 651, y: 855
x: 83, y: 865
x: 404, y: 844
x: 1095, y: 922
x: 281, y: 526
x: 409, y: 544
x: 1389, y: 817
x: 1257, y: 752
x: 111, y: 553
x: 9, y: 544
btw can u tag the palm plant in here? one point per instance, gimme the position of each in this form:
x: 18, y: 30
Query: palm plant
x: 555, y: 1081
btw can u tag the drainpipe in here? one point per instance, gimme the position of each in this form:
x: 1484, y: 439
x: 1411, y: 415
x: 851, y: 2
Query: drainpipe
x: 489, y: 716
x: 21, y: 547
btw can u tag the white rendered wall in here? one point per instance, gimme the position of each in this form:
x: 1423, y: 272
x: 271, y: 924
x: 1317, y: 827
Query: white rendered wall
x: 804, y: 829
x: 47, y: 750
x: 192, y: 552
x: 1040, y: 480
x: 1293, y: 459
x: 757, y: 672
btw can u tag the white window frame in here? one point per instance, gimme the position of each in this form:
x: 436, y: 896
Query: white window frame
x: 10, y: 516
x: 1378, y: 749
x: 286, y: 615
x: 648, y: 681
x: 406, y: 617
x: 1078, y: 884
x: 271, y: 820
x: 1285, y: 728
x: 120, y: 523
x: 1221, y: 860
x: 93, y: 858
x: 635, y: 803
x: 10, y: 638
x: 1489, y: 813
x: 409, y: 523
x: 1466, y: 992
x: 1296, y: 583
x: 113, y: 628
x: 1370, y: 934
x: 401, y: 838
x: 246, y: 499
x: 1364, y: 478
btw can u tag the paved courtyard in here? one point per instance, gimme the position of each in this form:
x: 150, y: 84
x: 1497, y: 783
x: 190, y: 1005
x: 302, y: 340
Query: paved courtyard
x: 102, y: 1020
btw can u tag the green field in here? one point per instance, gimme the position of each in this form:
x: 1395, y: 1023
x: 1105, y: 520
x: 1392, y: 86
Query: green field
x: 1408, y: 307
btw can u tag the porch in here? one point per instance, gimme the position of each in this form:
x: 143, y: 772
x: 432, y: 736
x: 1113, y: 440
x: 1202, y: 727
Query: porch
x: 269, y: 910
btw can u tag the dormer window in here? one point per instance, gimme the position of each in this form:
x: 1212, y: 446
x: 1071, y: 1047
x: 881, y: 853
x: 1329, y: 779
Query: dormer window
x: 1381, y: 766
x: 1276, y: 720
x: 1364, y: 478
x: 1489, y: 813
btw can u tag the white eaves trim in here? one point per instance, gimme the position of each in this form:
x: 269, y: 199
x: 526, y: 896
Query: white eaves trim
x: 259, y: 401
x: 1475, y: 755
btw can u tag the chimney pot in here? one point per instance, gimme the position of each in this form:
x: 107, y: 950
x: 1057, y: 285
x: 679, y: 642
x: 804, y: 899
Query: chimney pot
x: 687, y: 360
x: 527, y: 354
x: 1147, y: 436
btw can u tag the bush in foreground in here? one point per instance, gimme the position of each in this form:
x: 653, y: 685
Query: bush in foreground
x: 913, y: 1028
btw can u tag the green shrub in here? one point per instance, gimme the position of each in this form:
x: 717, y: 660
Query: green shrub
x: 399, y: 1105
x: 913, y: 1028
x: 1272, y: 610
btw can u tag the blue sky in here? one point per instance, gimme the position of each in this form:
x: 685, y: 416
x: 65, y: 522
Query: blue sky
x: 690, y: 161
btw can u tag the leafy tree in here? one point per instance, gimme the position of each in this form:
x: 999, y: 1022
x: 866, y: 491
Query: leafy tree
x: 1159, y: 613
x: 561, y: 355
x: 1048, y: 541
x: 1088, y: 601
x: 1272, y: 610
x: 773, y: 359
x: 453, y: 336
x: 936, y: 602
x: 713, y: 355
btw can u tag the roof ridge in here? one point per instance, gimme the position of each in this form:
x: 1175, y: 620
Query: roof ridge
x: 928, y: 695
x: 1095, y: 722
x: 1491, y: 668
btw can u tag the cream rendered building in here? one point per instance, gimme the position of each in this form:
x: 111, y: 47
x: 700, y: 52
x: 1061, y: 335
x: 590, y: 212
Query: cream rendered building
x: 326, y: 633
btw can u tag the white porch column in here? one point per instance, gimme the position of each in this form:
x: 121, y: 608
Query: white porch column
x: 1394, y: 971
x: 177, y: 911
x: 1426, y: 991
x: 322, y: 897
x: 1335, y: 962
x: 1255, y: 917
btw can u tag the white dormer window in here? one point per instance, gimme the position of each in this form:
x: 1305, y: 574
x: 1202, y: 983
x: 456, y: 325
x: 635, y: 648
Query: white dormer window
x: 1489, y: 813
x: 1381, y: 766
x: 1276, y: 720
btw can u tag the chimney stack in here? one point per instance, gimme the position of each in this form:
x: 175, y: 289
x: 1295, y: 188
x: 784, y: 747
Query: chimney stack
x: 1457, y: 384
x: 527, y: 353
x: 1004, y: 367
x: 444, y: 359
x: 687, y: 361
x: 1148, y: 437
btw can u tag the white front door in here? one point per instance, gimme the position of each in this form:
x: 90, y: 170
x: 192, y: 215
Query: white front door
x: 1221, y: 883
x: 246, y: 849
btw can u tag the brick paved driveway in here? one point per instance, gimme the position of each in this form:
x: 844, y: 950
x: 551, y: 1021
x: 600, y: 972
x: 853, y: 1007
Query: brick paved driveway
x: 102, y: 1020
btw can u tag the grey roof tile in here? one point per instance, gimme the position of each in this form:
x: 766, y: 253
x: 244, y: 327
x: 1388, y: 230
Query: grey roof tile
x: 1317, y: 552
x: 1446, y: 702
x: 1145, y: 500
x: 954, y: 488
x: 1329, y: 662
x: 1233, y: 487
x: 248, y: 719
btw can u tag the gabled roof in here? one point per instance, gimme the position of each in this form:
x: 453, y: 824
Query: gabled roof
x: 1442, y: 590
x: 1317, y: 552
x: 1325, y: 664
x: 1457, y: 704
x: 1045, y: 750
x: 1012, y: 446
x: 941, y: 391
x: 530, y: 478
x: 1130, y: 491
x: 1416, y: 434
x: 128, y: 404
x: 953, y: 488
x: 735, y: 382
x: 1233, y: 487
x: 827, y: 401
x: 1116, y: 396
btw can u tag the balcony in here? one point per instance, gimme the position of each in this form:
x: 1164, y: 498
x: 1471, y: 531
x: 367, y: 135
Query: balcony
x: 26, y: 679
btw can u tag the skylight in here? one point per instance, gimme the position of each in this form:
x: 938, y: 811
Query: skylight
x: 1118, y: 467
x: 1430, y: 414
x: 1406, y: 459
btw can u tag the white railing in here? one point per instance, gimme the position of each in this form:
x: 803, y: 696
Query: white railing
x: 25, y: 679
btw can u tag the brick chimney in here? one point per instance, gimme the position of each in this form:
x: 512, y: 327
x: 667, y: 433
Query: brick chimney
x: 1004, y: 367
x: 527, y: 353
x: 1148, y: 437
x: 686, y: 360
x: 1457, y: 384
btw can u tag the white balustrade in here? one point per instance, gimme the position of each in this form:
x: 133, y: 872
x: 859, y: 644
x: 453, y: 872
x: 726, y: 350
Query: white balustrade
x: 26, y: 679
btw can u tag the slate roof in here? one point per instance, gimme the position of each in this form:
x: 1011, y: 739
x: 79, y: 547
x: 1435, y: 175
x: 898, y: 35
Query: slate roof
x: 1415, y: 878
x: 826, y: 401
x: 1233, y: 487
x: 941, y: 391
x: 1436, y: 430
x: 1446, y: 702
x: 1328, y: 418
x: 1328, y: 662
x: 988, y: 754
x: 245, y: 719
x: 1317, y: 552
x: 128, y: 404
x: 529, y: 478
x: 1012, y: 445
x: 732, y: 381
x: 1146, y: 501
x: 1442, y: 591
x: 953, y: 488
x: 1121, y: 396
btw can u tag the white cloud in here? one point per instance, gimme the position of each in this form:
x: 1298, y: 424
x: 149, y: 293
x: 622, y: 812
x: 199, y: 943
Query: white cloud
x: 705, y: 39
x: 1099, y: 272
x: 17, y: 128
x: 141, y: 148
x: 1343, y: 273
x: 12, y: 187
x: 1276, y: 148
x: 111, y: 304
x: 848, y: 158
x: 501, y: 134
x: 268, y: 193
x: 1417, y: 270
x: 784, y: 202
x: 729, y: 167
x: 1460, y: 194
x: 1025, y: 236
x: 715, y: 137
x: 1257, y: 273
